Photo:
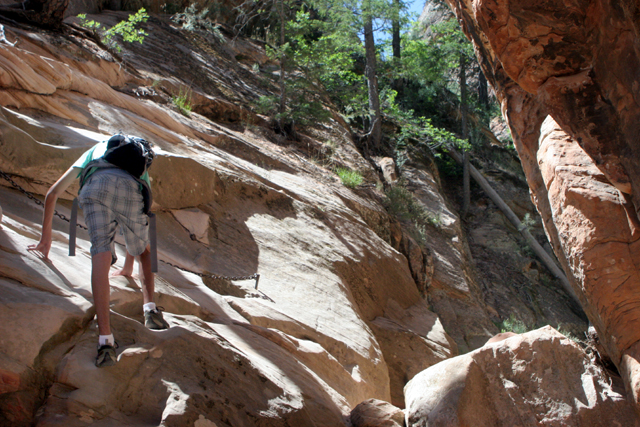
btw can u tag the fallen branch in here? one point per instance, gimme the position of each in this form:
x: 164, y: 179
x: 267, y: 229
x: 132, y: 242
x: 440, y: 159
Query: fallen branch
x: 546, y: 259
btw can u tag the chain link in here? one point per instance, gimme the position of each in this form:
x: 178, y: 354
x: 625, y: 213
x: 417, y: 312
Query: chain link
x: 255, y: 276
x: 36, y: 200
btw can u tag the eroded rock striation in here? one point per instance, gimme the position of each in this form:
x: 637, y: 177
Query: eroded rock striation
x: 566, y: 74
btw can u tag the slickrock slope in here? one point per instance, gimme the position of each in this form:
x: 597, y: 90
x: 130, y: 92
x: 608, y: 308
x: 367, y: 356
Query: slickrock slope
x: 337, y: 310
x: 576, y: 62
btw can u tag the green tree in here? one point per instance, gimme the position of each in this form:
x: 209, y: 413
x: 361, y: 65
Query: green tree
x: 128, y: 30
x: 271, y: 11
x: 352, y: 19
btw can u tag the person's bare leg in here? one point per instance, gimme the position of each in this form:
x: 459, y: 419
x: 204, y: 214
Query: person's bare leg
x: 100, y: 264
x: 127, y: 269
x: 148, y: 280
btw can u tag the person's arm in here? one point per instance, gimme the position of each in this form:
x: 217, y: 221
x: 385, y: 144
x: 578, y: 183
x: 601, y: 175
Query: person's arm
x: 56, y: 190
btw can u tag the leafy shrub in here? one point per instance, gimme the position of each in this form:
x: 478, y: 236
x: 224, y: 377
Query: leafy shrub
x: 401, y: 204
x: 528, y: 222
x: 126, y: 29
x: 349, y: 178
x: 570, y: 335
x: 192, y: 20
x: 513, y: 325
x: 266, y: 105
x: 183, y: 101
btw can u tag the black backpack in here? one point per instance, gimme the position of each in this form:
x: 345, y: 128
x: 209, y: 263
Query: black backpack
x: 130, y: 153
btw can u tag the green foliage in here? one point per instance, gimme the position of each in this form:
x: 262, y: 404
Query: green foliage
x: 349, y: 178
x: 448, y: 167
x: 326, y: 64
x: 417, y: 132
x: 513, y: 325
x: 302, y: 108
x: 266, y: 105
x: 126, y: 29
x: 528, y: 222
x: 303, y: 105
x: 427, y: 75
x: 570, y: 335
x: 183, y: 101
x: 400, y: 203
x: 192, y: 20
x: 434, y: 61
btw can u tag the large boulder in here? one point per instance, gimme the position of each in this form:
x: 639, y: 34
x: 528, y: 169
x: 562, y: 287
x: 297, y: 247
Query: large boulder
x: 537, y: 378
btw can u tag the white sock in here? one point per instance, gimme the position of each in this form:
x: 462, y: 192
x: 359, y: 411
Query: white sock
x: 149, y: 306
x: 106, y: 339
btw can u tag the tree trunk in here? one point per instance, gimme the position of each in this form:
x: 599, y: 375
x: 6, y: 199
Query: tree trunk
x: 395, y: 29
x: 375, y: 133
x: 282, y: 66
x: 531, y: 241
x: 466, y: 187
x: 483, y: 90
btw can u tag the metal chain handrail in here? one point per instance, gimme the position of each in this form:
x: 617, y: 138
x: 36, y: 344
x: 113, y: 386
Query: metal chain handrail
x: 255, y: 276
x: 36, y: 200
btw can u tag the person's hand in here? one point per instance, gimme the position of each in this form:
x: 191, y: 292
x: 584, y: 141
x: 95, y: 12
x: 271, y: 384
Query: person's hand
x: 41, y: 250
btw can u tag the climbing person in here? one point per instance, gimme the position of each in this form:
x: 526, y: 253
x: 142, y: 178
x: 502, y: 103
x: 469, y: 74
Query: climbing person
x: 114, y: 191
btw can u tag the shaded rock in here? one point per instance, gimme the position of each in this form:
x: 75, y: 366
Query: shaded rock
x: 401, y: 333
x: 376, y: 413
x: 500, y: 129
x: 453, y: 290
x: 533, y: 378
x: 419, y: 258
x: 578, y: 65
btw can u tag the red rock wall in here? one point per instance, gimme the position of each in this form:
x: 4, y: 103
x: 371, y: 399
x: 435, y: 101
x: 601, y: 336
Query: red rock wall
x: 577, y: 61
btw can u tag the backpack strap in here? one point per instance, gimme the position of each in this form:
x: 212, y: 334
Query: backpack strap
x: 153, y: 243
x: 91, y: 167
x: 73, y: 221
x: 147, y: 197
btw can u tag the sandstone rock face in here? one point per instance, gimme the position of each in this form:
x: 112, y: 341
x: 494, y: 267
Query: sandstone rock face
x: 452, y: 288
x: 337, y: 312
x: 538, y: 378
x: 576, y: 62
